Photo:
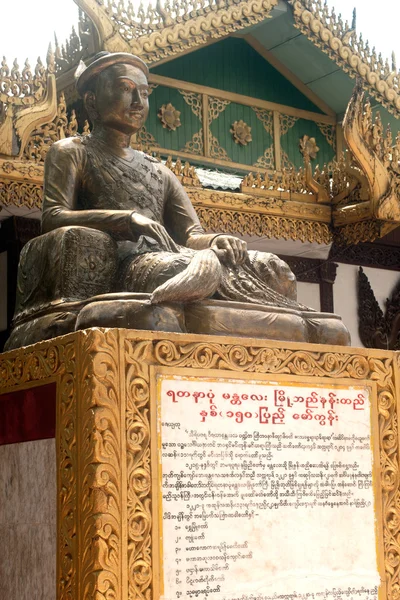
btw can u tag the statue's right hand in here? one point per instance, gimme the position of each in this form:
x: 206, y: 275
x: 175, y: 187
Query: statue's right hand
x: 142, y: 225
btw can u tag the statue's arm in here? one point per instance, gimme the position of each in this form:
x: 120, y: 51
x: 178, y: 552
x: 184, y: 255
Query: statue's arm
x: 180, y: 218
x: 63, y: 178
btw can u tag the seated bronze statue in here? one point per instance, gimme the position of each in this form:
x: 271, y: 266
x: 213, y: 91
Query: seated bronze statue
x: 122, y: 245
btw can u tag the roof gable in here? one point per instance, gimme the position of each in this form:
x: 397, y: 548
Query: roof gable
x: 234, y: 66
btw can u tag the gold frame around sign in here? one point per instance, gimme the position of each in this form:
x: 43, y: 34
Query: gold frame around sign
x: 159, y: 373
x: 104, y: 387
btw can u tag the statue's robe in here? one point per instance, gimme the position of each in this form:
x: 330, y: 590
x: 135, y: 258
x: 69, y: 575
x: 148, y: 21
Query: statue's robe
x: 87, y: 185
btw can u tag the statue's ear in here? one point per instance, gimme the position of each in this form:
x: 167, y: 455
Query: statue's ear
x: 89, y: 100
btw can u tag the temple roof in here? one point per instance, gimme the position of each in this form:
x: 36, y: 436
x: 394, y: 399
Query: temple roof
x: 304, y: 39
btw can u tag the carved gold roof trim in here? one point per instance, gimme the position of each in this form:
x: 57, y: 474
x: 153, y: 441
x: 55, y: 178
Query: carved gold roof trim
x: 342, y: 44
x: 27, y: 100
x: 376, y: 156
x: 162, y: 31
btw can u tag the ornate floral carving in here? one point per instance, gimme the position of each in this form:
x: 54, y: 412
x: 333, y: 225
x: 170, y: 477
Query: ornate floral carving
x: 262, y: 204
x: 137, y: 358
x: 101, y: 422
x: 169, y: 117
x: 241, y: 133
x: 362, y: 231
x: 244, y: 223
x: 20, y: 193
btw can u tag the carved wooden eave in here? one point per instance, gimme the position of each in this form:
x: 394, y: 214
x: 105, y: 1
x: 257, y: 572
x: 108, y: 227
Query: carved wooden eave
x: 28, y: 100
x: 368, y: 206
x: 342, y: 44
x: 165, y: 32
x: 281, y: 215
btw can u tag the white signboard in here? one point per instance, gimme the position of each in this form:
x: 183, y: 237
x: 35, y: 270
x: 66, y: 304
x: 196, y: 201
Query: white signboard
x: 266, y: 491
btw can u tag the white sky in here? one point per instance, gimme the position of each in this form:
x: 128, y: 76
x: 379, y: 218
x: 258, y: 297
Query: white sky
x: 27, y: 26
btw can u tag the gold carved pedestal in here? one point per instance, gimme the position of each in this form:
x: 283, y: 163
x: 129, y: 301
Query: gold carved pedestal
x: 105, y: 389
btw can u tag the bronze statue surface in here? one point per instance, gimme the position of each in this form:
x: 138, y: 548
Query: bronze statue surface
x: 123, y: 246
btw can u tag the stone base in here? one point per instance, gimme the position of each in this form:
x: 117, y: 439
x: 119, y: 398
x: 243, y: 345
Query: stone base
x: 211, y: 317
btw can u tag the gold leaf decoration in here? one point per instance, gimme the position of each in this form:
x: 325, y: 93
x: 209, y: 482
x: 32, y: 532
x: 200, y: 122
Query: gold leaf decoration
x: 308, y: 148
x: 241, y: 133
x: 169, y: 117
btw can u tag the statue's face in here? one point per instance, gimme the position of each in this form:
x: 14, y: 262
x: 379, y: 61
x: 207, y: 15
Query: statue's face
x: 122, y: 98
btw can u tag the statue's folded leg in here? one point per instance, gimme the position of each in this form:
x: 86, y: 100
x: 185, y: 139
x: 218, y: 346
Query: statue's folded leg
x: 274, y: 272
x: 146, y: 272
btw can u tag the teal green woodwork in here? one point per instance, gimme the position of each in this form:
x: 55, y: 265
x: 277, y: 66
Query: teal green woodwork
x: 234, y: 66
x: 171, y: 140
x: 290, y: 143
x: 220, y: 128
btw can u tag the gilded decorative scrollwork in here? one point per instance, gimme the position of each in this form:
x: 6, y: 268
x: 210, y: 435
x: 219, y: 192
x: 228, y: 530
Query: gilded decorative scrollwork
x: 145, y: 141
x: 362, y: 231
x: 244, y: 223
x: 20, y: 193
x: 286, y: 123
x: 22, y: 87
x: 137, y: 356
x: 27, y: 99
x: 265, y: 116
x: 195, y: 102
x: 101, y: 460
x: 264, y: 201
x: 216, y: 151
x: 267, y: 160
x: 308, y: 148
x: 196, y: 144
x: 329, y: 133
x: 286, y: 163
x: 156, y: 32
x: 215, y: 107
x: 62, y: 126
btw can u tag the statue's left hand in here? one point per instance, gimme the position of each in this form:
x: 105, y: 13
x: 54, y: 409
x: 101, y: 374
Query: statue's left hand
x: 235, y: 249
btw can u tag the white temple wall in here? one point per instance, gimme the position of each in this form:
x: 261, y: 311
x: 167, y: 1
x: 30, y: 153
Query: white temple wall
x: 308, y: 294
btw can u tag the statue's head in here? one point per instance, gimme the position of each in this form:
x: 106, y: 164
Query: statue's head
x: 115, y: 90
